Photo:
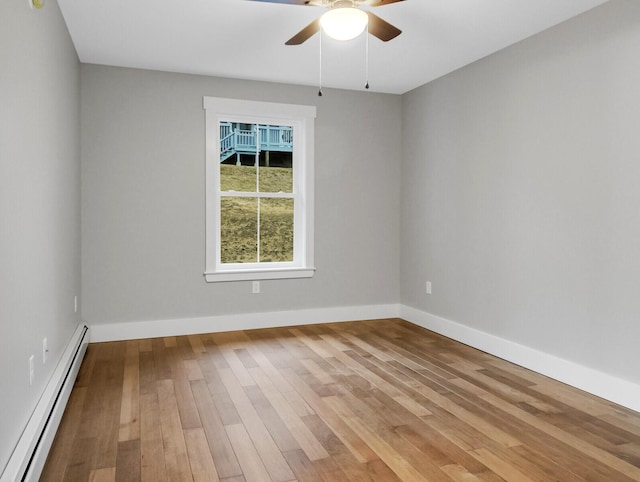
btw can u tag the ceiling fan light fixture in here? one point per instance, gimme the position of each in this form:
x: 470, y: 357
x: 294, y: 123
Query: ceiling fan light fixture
x: 344, y: 23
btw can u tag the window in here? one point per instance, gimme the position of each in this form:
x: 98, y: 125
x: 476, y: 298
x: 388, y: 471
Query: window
x: 259, y: 190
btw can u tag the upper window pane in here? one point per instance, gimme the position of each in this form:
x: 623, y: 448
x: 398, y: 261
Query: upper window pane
x: 238, y: 178
x: 262, y: 154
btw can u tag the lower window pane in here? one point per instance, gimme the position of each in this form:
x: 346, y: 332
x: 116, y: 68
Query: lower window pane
x: 239, y: 230
x: 276, y: 230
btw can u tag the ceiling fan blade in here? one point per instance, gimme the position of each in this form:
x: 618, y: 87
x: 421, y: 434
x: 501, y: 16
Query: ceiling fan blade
x: 380, y: 3
x: 305, y: 34
x: 381, y: 28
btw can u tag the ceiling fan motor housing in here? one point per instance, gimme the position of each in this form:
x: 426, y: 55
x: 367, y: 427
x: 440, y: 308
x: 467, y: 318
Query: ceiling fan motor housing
x: 344, y: 4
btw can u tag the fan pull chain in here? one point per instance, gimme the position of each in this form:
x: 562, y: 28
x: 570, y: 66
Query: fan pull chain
x: 366, y: 63
x: 320, y: 69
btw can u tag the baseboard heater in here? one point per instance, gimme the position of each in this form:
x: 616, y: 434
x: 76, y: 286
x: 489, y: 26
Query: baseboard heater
x: 29, y: 456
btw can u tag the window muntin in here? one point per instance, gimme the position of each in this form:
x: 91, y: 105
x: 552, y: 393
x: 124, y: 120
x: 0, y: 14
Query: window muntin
x: 259, y: 190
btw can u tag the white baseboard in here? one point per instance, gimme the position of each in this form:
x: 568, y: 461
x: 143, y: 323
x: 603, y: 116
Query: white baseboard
x: 246, y: 321
x: 30, y: 454
x: 593, y: 381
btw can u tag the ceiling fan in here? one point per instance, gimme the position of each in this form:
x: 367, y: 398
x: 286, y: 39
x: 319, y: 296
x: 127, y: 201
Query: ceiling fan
x: 343, y: 20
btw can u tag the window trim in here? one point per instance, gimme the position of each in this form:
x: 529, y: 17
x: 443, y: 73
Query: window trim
x: 302, y: 117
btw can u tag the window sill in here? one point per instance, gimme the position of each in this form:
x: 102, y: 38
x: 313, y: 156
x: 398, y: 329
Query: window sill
x: 259, y: 274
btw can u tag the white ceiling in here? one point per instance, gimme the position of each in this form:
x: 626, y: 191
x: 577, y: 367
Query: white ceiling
x: 245, y: 39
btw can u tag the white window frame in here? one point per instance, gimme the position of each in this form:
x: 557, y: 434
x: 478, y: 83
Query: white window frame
x: 302, y: 118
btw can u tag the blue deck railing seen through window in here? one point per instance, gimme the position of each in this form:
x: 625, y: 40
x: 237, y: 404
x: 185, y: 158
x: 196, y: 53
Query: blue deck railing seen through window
x: 236, y: 138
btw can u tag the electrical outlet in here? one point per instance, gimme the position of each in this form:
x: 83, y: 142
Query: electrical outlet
x: 427, y: 288
x: 31, y: 370
x: 255, y: 287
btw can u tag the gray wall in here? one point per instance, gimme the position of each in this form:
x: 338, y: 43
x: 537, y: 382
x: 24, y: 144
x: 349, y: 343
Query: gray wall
x: 521, y: 192
x: 143, y: 198
x: 39, y: 204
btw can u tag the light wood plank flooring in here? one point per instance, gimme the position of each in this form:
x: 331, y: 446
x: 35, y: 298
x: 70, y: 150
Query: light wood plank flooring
x: 373, y: 400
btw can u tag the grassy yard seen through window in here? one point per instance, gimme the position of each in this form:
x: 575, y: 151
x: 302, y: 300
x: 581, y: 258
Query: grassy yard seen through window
x: 239, y: 215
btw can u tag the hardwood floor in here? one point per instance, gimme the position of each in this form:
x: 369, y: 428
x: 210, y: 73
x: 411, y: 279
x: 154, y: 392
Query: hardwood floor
x: 373, y: 400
